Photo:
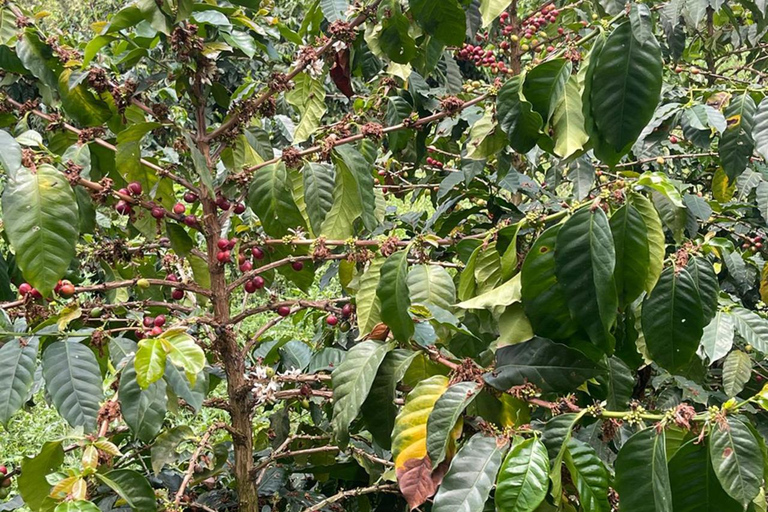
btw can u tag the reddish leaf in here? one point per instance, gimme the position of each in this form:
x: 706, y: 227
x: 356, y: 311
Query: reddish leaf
x: 341, y: 73
x: 418, y: 482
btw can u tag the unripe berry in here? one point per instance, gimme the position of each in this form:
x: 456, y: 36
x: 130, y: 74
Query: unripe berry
x: 258, y: 253
x: 67, y: 290
x: 142, y: 283
x: 179, y: 208
x: 159, y: 320
x: 190, y: 197
x: 134, y: 188
x: 298, y: 266
x: 284, y: 311
x: 177, y: 294
x: 331, y: 320
x: 122, y: 207
x: 158, y: 212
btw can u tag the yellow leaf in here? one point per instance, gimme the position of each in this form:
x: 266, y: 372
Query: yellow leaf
x: 90, y: 457
x: 409, y: 437
x: 721, y: 189
x: 764, y: 283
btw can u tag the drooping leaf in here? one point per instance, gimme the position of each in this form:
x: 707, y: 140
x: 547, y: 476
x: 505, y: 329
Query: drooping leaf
x: 444, y: 416
x: 642, y: 477
x: 672, y: 319
x: 73, y: 380
x: 319, y: 182
x: 589, y: 476
x: 149, y: 362
x: 40, y: 217
x: 633, y: 257
x: 352, y: 382
x: 524, y: 477
x: 568, y: 121
x: 584, y: 265
x: 392, y: 292
x: 548, y: 365
x: 33, y: 485
x: 737, y: 369
x: 18, y: 359
x: 704, y: 276
x: 143, y: 409
x: 368, y: 303
x: 133, y: 487
x: 471, y: 476
x: 737, y: 460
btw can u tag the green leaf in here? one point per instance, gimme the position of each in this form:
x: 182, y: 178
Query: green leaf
x: 523, y: 480
x: 18, y: 359
x: 589, y: 476
x: 308, y: 98
x: 695, y: 487
x: 655, y: 237
x: 150, y: 361
x: 491, y: 9
x: 516, y: 116
x: 128, y: 163
x: 633, y: 258
x: 349, y: 160
x: 642, y: 478
x: 568, y: 121
x: 431, y: 284
x: 544, y: 86
x: 33, y: 484
x: 504, y: 295
x: 737, y: 369
x: 394, y: 39
x: 752, y: 327
x: 717, y: 339
x: 379, y: 409
x: 548, y: 365
x: 556, y: 436
x: 737, y: 460
x: 544, y: 299
x: 164, y: 449
x: 487, y: 268
x: 760, y: 129
x: 76, y: 506
x: 10, y: 154
x: 673, y: 320
x: 352, y: 381
x: 471, y: 476
x: 584, y: 264
x: 703, y: 274
x: 143, y: 409
x: 393, y: 294
x: 444, y: 19
x: 347, y: 206
x: 36, y: 56
x: 269, y: 196
x: 333, y: 10
x: 619, y: 382
x: 736, y: 143
x: 193, y: 394
x: 73, y: 380
x: 444, y: 416
x: 625, y: 89
x: 368, y: 304
x: 41, y: 221
x: 319, y: 182
x: 133, y: 487
x: 81, y: 104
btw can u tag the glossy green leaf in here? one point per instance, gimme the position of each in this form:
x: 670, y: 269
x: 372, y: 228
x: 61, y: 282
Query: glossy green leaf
x: 737, y: 369
x: 76, y: 506
x: 269, y: 196
x: 18, y: 359
x: 633, y: 256
x: 10, y: 154
x: 392, y: 292
x: 625, y: 88
x: 352, y: 381
x: 695, y: 487
x: 431, y: 284
x: 516, y: 116
x: 443, y: 19
x: 81, y: 104
x: 736, y: 143
x: 673, y: 320
x: 73, y: 380
x: 446, y: 412
x: 41, y: 221
x: 471, y: 476
x: 737, y: 460
x: 308, y: 97
x: 523, y: 480
x: 544, y: 85
x: 752, y: 327
x: 584, y: 264
x: 548, y: 365
x: 642, y: 478
x: 717, y: 339
x: 568, y: 121
x: 143, y: 409
x: 368, y: 303
x: 319, y: 182
x: 703, y: 273
x: 33, y: 484
x: 133, y: 487
x: 589, y: 475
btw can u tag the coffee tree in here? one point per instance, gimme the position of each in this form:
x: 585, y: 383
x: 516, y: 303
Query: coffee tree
x: 437, y: 254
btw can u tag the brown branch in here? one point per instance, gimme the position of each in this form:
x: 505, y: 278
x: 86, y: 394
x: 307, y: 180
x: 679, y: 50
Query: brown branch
x: 193, y: 461
x: 298, y: 304
x: 358, y: 491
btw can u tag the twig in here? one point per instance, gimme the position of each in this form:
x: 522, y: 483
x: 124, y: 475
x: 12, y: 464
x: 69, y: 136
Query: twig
x: 193, y: 460
x: 350, y: 493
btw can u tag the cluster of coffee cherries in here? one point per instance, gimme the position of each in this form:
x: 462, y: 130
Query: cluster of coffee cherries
x: 536, y: 23
x: 63, y: 288
x: 153, y: 326
x: 482, y: 57
x: 5, y: 482
x: 346, y: 312
x: 434, y: 163
x: 177, y: 293
x: 753, y: 244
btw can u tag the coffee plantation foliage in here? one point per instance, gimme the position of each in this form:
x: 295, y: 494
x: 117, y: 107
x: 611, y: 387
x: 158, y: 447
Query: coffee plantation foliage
x: 453, y: 255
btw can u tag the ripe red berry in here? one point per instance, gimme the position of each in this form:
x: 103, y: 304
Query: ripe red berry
x: 156, y: 331
x: 223, y: 256
x: 123, y: 191
x: 249, y: 287
x: 259, y: 282
x: 122, y: 207
x: 172, y: 277
x: 159, y: 320
x: 346, y: 310
x: 222, y: 203
x: 158, y: 212
x: 331, y: 320
x: 673, y: 139
x: 190, y: 197
x: 246, y: 266
x: 67, y: 290
x: 560, y: 30
x: 190, y: 220
x: 6, y: 483
x: 36, y: 294
x: 179, y: 208
x: 239, y: 208
x: 25, y: 288
x: 177, y: 294
x: 232, y: 243
x: 284, y: 311
x: 3, y: 470
x: 550, y: 48
x: 134, y: 188
x: 148, y: 321
x: 222, y: 244
x: 298, y: 266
